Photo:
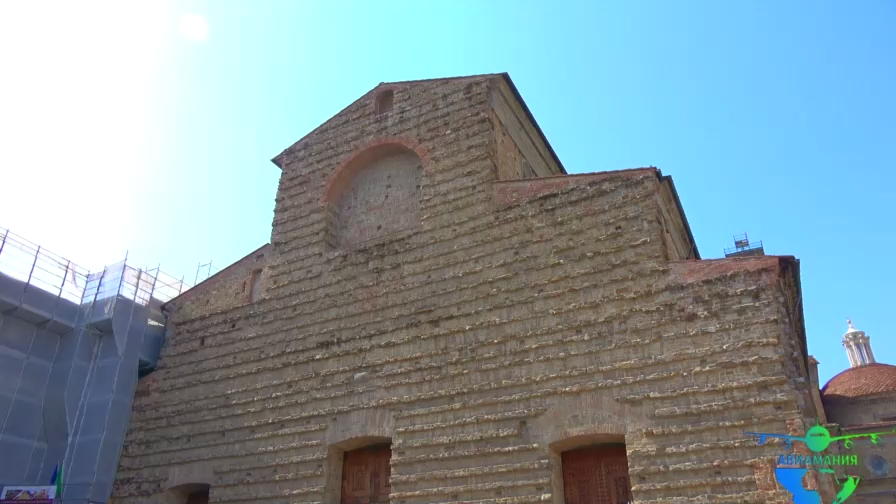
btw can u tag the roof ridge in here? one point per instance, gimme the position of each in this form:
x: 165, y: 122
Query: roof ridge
x: 435, y: 79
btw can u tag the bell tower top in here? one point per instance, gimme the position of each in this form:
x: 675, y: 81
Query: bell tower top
x: 858, y: 347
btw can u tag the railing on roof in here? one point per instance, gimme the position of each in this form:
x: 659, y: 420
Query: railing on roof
x: 29, y: 263
x: 742, y: 245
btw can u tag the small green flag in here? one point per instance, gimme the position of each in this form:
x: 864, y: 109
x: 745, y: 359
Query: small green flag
x: 59, y: 482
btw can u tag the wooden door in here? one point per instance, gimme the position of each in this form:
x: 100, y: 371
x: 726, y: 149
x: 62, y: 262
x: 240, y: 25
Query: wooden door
x: 596, y: 475
x: 198, y: 498
x: 365, y: 475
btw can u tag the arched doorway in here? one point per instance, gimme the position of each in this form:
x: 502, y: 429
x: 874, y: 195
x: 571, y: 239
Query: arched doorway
x: 190, y: 493
x: 365, y: 475
x: 596, y: 474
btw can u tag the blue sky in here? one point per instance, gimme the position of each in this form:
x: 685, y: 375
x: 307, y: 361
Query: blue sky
x: 126, y: 132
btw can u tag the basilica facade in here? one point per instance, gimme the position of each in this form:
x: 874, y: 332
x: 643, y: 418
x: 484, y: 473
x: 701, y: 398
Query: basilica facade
x: 445, y: 314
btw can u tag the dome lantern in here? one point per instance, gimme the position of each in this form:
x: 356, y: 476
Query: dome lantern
x: 858, y: 347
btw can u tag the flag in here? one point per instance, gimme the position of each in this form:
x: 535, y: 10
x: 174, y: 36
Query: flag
x: 55, y: 474
x: 57, y: 478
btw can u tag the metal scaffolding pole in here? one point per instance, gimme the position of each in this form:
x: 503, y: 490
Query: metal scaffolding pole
x: 154, y: 280
x: 33, y: 265
x: 64, y: 278
x: 3, y: 243
x: 124, y: 270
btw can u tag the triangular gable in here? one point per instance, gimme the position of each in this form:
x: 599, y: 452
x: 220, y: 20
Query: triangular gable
x: 361, y: 102
x: 364, y: 99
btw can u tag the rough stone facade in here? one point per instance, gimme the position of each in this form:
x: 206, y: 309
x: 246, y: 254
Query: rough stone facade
x: 232, y: 287
x: 498, y: 325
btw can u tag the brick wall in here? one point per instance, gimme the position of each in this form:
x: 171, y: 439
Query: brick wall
x: 507, y: 156
x: 518, y: 140
x: 675, y: 235
x: 227, y: 289
x: 516, y: 320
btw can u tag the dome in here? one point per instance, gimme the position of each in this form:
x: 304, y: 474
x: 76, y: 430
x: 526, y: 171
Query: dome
x: 870, y: 379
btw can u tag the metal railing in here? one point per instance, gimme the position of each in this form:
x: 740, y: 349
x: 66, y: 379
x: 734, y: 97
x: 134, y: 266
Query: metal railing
x: 29, y: 263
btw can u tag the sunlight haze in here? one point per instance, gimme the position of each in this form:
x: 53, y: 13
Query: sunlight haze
x: 194, y: 27
x: 147, y: 127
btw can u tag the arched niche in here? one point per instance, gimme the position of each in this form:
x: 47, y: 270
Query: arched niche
x: 376, y: 194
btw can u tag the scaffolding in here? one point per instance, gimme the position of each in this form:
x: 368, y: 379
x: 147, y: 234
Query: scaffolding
x: 204, y: 271
x: 743, y: 247
x: 109, y: 330
x: 37, y: 267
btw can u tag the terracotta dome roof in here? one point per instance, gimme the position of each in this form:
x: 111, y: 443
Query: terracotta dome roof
x: 870, y: 379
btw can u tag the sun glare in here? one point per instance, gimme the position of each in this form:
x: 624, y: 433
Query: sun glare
x: 194, y: 27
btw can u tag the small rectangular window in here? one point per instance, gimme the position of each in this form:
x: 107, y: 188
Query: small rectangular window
x: 384, y: 102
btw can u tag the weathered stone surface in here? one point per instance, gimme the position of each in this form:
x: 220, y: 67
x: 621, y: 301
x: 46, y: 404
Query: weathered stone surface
x: 514, y: 319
